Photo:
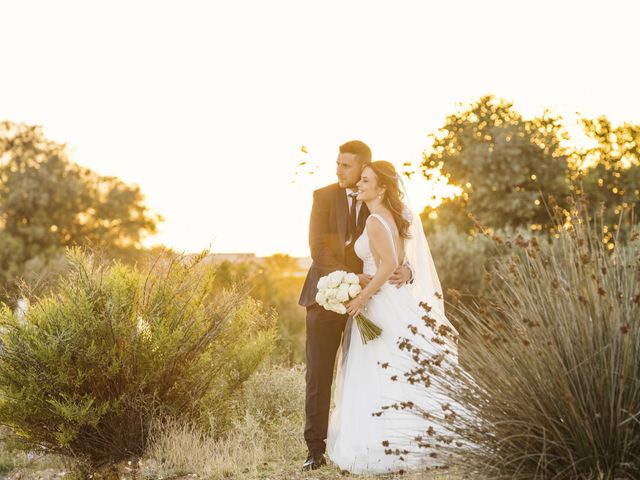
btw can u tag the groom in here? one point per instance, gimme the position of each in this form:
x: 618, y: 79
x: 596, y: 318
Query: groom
x: 337, y: 220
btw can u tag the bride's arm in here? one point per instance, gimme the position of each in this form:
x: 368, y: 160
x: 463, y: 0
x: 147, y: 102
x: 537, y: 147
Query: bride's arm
x: 384, y: 254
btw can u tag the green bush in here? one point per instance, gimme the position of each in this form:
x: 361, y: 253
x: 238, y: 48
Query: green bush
x: 461, y: 260
x: 91, y: 365
x: 276, y: 282
x: 551, y: 380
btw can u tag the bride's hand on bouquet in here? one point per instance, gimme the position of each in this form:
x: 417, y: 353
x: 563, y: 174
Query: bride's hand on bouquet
x: 355, y: 306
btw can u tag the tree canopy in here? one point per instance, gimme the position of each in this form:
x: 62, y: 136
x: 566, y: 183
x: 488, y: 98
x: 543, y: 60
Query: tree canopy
x: 508, y: 167
x: 48, y: 202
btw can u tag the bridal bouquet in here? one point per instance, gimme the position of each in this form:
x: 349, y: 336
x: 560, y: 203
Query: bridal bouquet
x: 335, y: 290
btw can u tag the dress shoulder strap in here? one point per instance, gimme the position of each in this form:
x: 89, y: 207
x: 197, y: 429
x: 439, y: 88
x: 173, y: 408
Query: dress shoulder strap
x: 388, y: 228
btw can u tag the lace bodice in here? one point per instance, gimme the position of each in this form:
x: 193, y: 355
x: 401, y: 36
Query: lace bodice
x: 362, y: 247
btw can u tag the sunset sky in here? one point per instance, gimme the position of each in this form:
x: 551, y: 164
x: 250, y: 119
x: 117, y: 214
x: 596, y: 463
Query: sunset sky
x: 206, y: 105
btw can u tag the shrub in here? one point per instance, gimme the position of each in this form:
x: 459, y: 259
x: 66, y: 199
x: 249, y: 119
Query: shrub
x: 275, y: 281
x: 461, y: 260
x: 94, y: 363
x: 551, y: 385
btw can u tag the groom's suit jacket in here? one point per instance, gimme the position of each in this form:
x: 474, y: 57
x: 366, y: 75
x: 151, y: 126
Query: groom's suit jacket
x: 327, y: 237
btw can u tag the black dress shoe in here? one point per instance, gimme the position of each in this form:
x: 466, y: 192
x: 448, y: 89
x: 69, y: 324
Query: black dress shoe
x: 314, y: 461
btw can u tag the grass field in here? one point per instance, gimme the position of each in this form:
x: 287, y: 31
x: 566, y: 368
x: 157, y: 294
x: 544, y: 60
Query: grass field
x: 50, y: 468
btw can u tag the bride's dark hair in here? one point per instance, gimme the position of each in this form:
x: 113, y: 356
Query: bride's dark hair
x: 388, y: 177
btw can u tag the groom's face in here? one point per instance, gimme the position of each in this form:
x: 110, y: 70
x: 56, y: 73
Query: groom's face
x: 348, y: 170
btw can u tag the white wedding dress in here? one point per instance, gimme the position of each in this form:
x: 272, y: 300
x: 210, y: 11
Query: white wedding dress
x: 357, y: 439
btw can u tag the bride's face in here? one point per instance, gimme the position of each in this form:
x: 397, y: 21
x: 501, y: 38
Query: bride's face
x: 368, y: 188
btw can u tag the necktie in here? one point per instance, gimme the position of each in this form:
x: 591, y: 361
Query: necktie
x: 352, y: 225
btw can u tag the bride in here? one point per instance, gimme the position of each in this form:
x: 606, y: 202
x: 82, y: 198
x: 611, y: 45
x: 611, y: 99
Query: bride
x: 365, y: 427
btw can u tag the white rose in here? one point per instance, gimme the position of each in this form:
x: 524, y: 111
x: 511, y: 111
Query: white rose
x: 352, y: 278
x: 338, y: 308
x: 330, y: 305
x: 323, y: 283
x: 342, y: 294
x: 321, y: 298
x: 330, y: 294
x: 335, y: 278
x: 354, y: 290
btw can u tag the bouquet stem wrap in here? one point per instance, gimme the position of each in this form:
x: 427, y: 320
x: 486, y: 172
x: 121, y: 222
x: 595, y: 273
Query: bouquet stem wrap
x: 368, y: 329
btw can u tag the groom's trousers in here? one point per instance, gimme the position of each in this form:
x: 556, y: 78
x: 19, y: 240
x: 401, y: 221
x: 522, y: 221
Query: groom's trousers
x: 324, y: 333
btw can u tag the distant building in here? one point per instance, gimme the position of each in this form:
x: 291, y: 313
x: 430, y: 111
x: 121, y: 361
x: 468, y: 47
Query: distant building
x: 231, y: 257
x: 303, y: 262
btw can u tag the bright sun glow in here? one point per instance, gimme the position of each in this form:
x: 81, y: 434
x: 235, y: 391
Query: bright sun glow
x: 206, y: 105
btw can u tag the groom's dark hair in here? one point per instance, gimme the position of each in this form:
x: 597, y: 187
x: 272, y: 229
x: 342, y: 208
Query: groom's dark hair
x: 358, y: 148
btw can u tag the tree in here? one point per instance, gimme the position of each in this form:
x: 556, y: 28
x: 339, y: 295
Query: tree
x: 609, y: 173
x: 506, y: 165
x: 48, y: 202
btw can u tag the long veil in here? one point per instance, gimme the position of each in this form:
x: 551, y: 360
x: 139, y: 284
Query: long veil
x: 426, y: 284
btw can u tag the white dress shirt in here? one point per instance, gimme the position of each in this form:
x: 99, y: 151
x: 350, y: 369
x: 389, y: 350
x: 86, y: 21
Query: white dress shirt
x: 358, y: 202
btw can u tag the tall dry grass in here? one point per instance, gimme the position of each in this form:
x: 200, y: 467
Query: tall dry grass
x: 267, y: 424
x: 549, y: 380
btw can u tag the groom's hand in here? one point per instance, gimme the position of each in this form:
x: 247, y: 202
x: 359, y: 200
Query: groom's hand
x: 400, y: 276
x: 364, y: 279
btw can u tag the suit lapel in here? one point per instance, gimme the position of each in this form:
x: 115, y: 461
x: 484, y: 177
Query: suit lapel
x: 342, y: 214
x: 362, y: 218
